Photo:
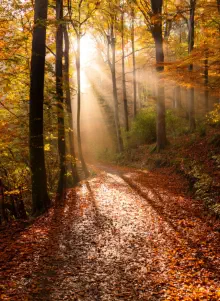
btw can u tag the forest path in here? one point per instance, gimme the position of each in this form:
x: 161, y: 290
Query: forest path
x: 124, y: 234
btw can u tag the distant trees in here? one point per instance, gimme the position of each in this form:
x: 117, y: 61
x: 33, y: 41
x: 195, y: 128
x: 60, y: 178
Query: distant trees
x: 134, y: 59
x: 124, y: 89
x: 111, y: 37
x: 79, y: 139
x: 107, y: 28
x: 78, y: 16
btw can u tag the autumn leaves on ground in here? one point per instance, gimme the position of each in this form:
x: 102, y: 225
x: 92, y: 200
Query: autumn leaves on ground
x: 123, y: 234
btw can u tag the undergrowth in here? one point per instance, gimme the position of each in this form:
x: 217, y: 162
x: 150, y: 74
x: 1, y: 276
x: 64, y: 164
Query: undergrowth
x: 143, y: 127
x: 201, y: 184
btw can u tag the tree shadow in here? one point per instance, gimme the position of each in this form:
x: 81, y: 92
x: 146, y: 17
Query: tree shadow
x: 77, y: 263
x: 10, y: 234
x: 157, y: 202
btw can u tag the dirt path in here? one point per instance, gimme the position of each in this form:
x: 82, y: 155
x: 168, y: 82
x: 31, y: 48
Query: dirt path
x: 122, y: 235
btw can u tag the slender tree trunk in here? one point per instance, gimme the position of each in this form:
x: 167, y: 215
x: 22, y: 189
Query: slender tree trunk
x: 178, y: 103
x: 69, y: 108
x: 2, y: 204
x: 40, y: 199
x: 206, y: 80
x: 144, y: 89
x: 218, y: 5
x: 191, y: 108
x: 192, y: 121
x: 134, y: 63
x: 161, y: 118
x: 125, y: 100
x: 156, y: 29
x: 191, y: 37
x: 60, y: 100
x: 139, y: 89
x: 78, y: 69
x: 115, y: 94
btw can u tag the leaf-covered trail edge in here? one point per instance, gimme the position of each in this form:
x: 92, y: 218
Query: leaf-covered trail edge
x: 124, y: 234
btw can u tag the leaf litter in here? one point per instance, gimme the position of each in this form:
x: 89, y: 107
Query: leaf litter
x: 125, y: 234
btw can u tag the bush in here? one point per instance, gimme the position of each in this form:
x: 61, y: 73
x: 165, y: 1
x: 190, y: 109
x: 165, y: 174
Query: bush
x: 143, y: 129
x: 215, y: 140
x: 202, y: 130
x: 175, y: 125
x: 213, y: 117
x: 106, y: 156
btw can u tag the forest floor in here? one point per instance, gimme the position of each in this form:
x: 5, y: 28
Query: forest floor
x: 124, y: 234
x: 196, y: 156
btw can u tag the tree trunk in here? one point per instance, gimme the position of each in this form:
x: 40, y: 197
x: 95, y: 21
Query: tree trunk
x: 157, y: 33
x: 191, y: 36
x: 3, y: 217
x: 21, y: 212
x: 69, y: 108
x: 218, y: 5
x: 78, y: 69
x: 178, y: 103
x: 60, y: 101
x: 125, y: 100
x: 40, y: 199
x: 134, y: 64
x: 161, y: 118
x: 115, y: 94
x: 206, y: 81
x: 192, y: 121
x: 139, y: 90
x: 156, y: 29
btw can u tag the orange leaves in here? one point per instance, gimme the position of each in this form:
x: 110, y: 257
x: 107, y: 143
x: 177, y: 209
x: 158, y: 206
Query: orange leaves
x: 123, y: 235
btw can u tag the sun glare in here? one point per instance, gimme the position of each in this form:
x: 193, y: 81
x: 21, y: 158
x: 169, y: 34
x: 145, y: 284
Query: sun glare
x: 87, y: 50
x: 87, y: 56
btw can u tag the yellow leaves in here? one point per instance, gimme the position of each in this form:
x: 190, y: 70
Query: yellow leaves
x: 13, y: 192
x: 3, y: 123
x: 47, y: 147
x: 213, y: 118
x: 51, y: 137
